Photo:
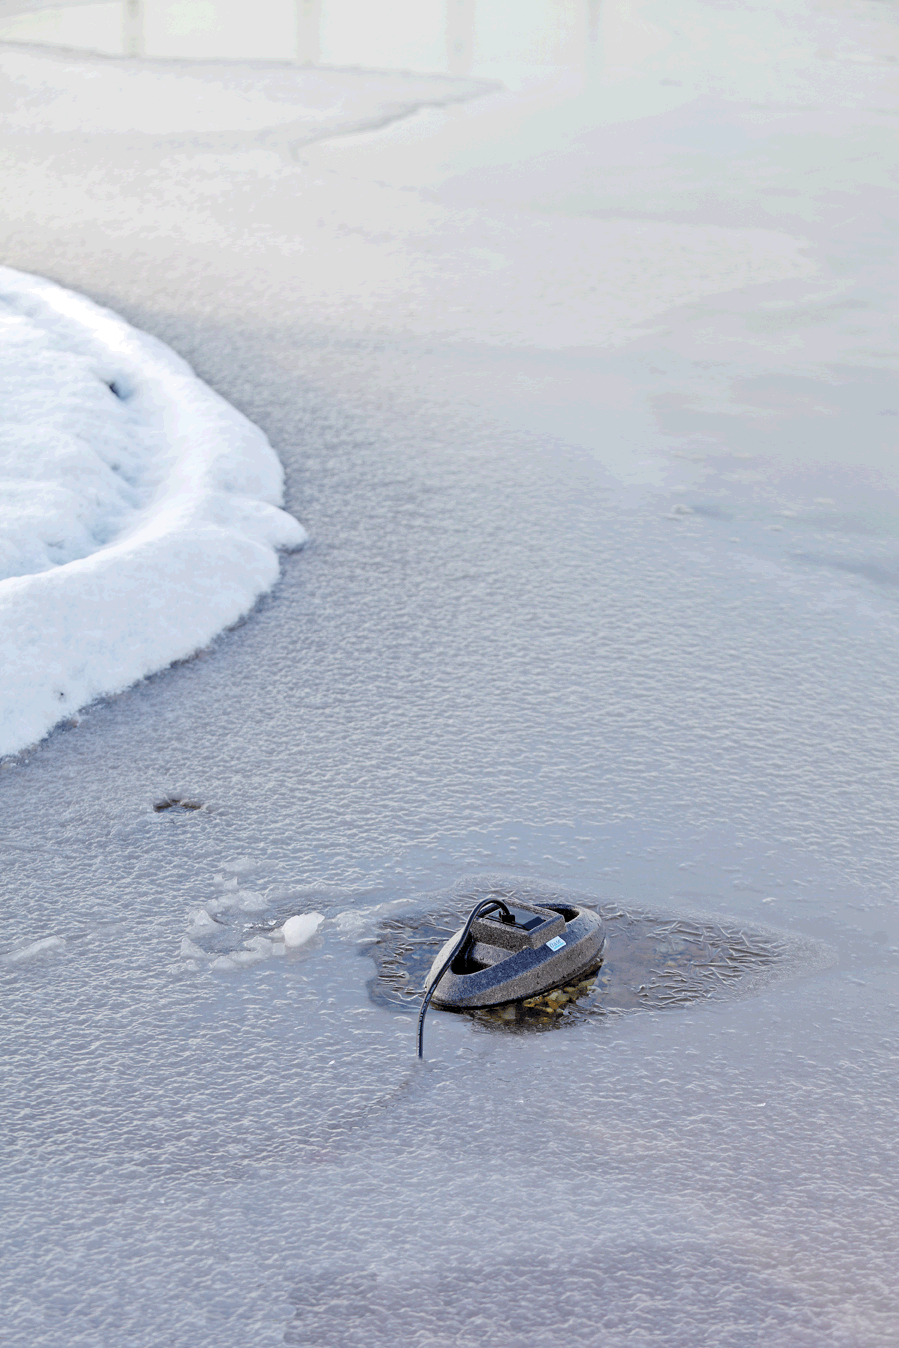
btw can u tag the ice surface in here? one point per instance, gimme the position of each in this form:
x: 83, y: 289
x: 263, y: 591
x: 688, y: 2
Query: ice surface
x: 45, y: 92
x: 139, y: 512
x: 504, y: 651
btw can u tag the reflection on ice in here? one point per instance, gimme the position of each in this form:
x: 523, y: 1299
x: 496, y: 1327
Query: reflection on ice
x: 457, y: 37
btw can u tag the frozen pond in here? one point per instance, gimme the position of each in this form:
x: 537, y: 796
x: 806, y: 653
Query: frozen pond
x: 585, y: 398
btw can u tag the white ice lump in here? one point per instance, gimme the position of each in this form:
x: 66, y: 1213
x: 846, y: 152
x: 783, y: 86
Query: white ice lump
x: 298, y: 930
x: 139, y: 511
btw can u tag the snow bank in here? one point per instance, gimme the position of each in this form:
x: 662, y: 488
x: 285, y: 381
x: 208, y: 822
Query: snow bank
x: 138, y: 510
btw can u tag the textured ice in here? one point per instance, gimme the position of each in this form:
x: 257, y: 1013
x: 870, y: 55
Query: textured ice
x: 498, y: 655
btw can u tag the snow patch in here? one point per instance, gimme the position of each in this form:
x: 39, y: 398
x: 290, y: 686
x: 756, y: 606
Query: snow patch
x: 201, y: 924
x: 191, y: 951
x: 139, y: 511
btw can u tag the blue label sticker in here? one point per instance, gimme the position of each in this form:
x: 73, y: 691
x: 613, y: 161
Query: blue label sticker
x: 556, y: 943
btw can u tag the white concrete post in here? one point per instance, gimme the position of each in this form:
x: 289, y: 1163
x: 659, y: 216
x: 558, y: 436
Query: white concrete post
x: 459, y: 36
x: 593, y: 54
x: 309, y: 17
x: 133, y: 28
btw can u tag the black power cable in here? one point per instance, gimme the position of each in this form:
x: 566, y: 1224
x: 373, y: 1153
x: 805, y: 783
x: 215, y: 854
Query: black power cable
x: 485, y: 906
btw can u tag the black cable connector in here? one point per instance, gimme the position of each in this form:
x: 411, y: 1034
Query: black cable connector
x: 485, y: 906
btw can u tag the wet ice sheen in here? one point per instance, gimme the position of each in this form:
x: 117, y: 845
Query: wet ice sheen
x: 505, y: 653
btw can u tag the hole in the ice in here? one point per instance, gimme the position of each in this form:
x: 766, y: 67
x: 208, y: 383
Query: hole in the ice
x: 651, y: 962
x: 178, y: 804
x: 116, y: 388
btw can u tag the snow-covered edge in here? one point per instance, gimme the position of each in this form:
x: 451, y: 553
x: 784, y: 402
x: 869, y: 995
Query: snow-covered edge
x: 194, y: 561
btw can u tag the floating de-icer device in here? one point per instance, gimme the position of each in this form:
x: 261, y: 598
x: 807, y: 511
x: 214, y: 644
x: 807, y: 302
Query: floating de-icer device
x: 509, y: 951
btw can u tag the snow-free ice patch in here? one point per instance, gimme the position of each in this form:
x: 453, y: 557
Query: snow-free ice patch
x: 139, y: 511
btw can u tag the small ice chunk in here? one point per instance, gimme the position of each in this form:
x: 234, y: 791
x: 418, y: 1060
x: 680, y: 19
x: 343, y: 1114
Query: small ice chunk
x: 201, y: 924
x: 244, y: 957
x: 250, y: 902
x: 260, y: 944
x: 356, y: 919
x: 190, y: 951
x: 242, y: 866
x: 224, y: 963
x: 45, y: 945
x: 298, y: 930
x: 355, y: 922
x: 222, y: 904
